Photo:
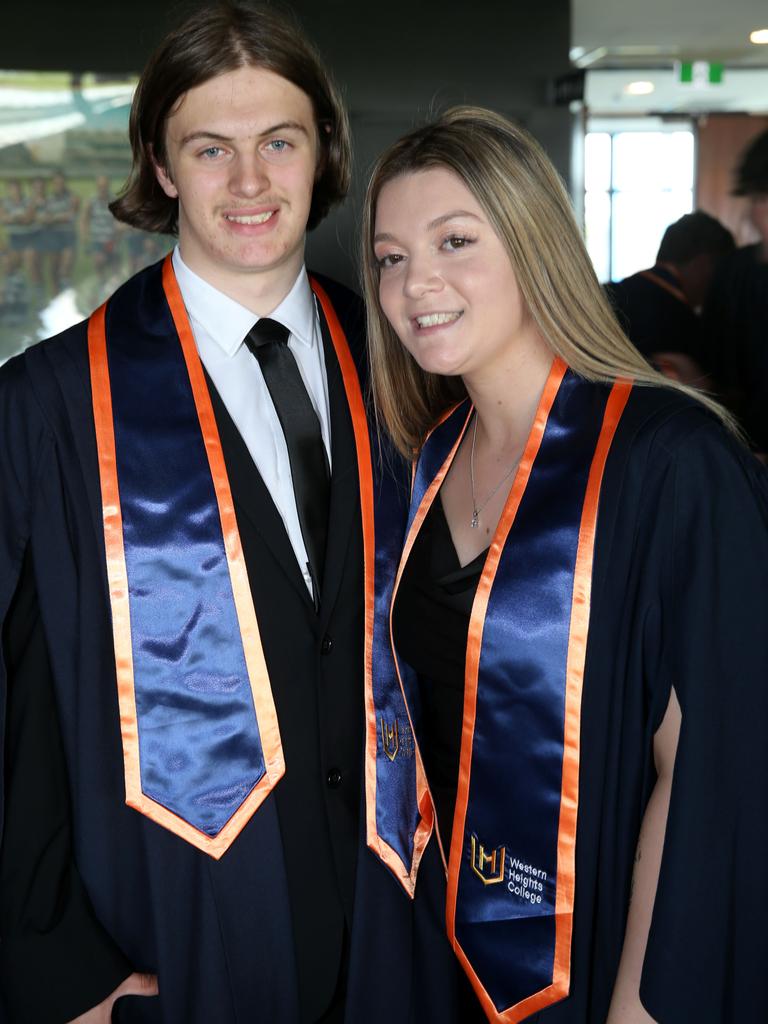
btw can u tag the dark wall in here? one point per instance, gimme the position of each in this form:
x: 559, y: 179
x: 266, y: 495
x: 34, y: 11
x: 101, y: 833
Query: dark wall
x: 396, y: 61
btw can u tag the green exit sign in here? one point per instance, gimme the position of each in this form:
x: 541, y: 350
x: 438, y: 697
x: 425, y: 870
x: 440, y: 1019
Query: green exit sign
x: 700, y: 72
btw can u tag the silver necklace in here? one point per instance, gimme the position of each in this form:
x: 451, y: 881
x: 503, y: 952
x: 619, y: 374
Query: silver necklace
x: 477, y: 509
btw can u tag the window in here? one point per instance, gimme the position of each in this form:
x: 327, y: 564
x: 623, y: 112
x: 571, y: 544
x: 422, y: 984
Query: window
x: 63, y: 154
x: 637, y: 183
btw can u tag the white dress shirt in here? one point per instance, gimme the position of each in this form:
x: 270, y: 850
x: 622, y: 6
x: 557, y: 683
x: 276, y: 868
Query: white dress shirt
x: 220, y: 325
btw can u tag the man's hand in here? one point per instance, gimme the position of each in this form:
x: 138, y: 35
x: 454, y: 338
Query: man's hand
x: 134, y: 985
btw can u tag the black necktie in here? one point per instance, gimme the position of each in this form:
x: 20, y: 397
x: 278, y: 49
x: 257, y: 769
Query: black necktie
x: 268, y: 341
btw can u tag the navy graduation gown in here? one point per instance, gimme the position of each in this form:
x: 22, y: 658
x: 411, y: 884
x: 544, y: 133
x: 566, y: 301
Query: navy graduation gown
x: 218, y: 934
x: 679, y: 597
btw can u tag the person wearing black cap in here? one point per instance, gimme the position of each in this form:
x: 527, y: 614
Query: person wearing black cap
x: 658, y: 308
x: 736, y: 313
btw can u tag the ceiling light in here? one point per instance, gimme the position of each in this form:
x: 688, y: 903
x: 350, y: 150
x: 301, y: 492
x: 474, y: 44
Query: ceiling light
x: 639, y: 88
x: 759, y: 36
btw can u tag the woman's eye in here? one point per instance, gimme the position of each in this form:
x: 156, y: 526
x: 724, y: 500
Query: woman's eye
x: 456, y: 242
x: 390, y: 259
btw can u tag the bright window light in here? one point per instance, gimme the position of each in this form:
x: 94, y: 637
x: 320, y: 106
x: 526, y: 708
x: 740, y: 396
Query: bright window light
x: 759, y: 36
x: 637, y: 183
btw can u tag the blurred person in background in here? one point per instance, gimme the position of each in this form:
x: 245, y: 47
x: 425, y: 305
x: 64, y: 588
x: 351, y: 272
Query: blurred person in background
x: 659, y: 308
x: 14, y: 290
x: 15, y: 219
x: 736, y: 313
x: 98, y: 228
x: 36, y: 237
x: 60, y: 218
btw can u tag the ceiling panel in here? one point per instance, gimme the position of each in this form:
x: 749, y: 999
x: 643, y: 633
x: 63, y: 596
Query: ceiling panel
x: 606, y: 33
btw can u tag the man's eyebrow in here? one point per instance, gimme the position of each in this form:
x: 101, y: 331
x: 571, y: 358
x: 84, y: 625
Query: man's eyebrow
x: 205, y: 134
x: 296, y: 126
x: 199, y: 136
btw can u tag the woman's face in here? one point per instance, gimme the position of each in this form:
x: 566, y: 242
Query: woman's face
x: 446, y: 284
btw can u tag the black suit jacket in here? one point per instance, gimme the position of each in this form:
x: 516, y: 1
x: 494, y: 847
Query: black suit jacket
x: 315, y: 661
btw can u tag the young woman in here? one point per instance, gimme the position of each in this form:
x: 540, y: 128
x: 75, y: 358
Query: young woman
x: 575, y: 688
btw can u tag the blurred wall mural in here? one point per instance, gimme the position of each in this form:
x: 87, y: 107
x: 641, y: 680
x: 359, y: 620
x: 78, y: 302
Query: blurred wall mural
x: 63, y: 156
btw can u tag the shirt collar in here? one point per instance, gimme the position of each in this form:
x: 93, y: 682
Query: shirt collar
x: 227, y: 321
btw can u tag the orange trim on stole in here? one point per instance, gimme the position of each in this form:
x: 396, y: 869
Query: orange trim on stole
x: 678, y: 293
x: 264, y: 706
x: 365, y: 476
x: 474, y: 646
x: 577, y: 645
x: 423, y: 795
x: 117, y: 576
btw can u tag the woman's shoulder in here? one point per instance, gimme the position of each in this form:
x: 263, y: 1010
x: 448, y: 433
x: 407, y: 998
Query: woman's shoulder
x: 666, y: 433
x: 667, y: 419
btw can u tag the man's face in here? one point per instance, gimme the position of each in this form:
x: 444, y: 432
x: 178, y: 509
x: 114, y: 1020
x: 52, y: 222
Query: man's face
x: 241, y: 156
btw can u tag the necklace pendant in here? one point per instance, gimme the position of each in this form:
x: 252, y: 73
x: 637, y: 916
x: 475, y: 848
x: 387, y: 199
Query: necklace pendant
x: 475, y: 519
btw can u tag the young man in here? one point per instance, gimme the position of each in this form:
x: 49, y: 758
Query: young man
x: 182, y: 581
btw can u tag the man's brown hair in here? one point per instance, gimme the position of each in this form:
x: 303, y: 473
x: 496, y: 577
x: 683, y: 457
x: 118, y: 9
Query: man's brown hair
x: 213, y: 41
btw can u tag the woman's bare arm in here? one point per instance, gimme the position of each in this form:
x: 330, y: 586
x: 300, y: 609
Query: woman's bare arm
x: 626, y: 1007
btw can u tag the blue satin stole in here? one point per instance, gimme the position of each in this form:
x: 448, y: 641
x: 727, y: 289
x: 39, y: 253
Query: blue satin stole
x: 201, y: 740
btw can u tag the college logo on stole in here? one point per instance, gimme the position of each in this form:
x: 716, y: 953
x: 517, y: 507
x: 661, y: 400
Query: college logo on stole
x: 201, y: 740
x: 511, y: 855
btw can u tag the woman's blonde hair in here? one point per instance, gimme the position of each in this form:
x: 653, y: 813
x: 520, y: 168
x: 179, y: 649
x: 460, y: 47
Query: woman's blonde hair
x: 528, y: 207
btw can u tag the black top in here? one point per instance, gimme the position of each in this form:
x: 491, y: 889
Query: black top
x: 430, y: 622
x: 679, y: 597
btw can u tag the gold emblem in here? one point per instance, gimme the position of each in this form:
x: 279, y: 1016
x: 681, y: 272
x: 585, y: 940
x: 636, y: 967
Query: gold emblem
x: 493, y: 861
x: 390, y: 739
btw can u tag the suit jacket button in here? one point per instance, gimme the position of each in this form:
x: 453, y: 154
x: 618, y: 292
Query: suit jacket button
x: 333, y: 778
x: 326, y: 646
